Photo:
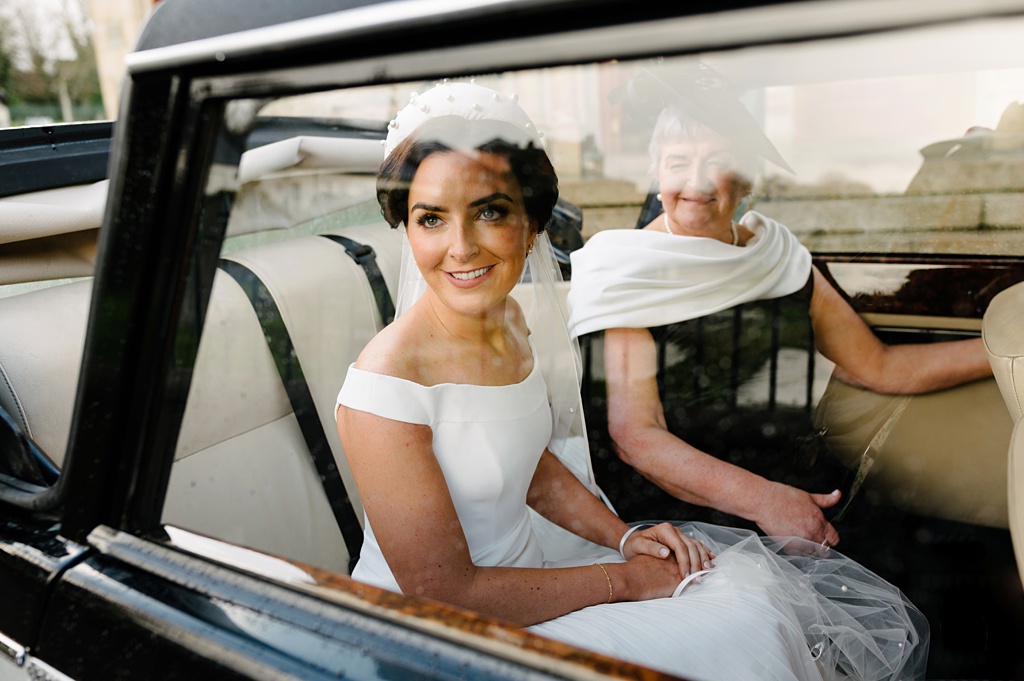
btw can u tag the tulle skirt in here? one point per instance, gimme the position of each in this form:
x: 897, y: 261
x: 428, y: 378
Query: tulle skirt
x: 769, y: 609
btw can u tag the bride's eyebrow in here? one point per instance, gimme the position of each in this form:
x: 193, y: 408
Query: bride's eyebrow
x: 496, y: 196
x: 427, y: 207
x: 492, y: 197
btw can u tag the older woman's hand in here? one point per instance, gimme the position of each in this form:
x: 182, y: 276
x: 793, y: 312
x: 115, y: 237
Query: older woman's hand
x: 786, y: 511
x: 665, y: 540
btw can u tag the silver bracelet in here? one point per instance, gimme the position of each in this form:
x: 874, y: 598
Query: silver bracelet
x: 622, y: 542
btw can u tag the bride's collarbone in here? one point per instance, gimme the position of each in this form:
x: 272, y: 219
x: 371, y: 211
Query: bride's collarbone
x: 445, y: 360
x: 428, y: 355
x: 475, y: 365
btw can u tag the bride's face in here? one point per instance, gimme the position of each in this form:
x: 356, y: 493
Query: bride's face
x: 468, y: 229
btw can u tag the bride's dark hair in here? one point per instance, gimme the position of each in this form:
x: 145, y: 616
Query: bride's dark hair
x: 529, y: 164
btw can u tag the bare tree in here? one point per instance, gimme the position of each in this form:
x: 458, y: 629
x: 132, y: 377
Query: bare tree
x: 6, y: 61
x: 51, y: 43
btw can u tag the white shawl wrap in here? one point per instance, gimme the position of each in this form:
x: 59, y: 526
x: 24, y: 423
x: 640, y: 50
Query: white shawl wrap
x: 625, y: 278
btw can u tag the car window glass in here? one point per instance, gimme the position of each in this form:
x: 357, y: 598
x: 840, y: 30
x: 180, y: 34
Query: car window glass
x: 901, y: 153
x: 878, y: 159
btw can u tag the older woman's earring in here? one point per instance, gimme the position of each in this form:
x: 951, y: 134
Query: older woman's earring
x: 658, y: 196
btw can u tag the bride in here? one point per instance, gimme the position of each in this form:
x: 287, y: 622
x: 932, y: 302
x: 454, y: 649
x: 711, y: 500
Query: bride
x: 461, y: 425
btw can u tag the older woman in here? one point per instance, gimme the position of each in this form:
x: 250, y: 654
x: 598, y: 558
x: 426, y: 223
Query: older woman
x: 452, y: 421
x: 703, y: 287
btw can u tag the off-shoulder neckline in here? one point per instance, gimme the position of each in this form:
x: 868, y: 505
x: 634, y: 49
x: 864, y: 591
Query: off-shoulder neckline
x: 533, y: 371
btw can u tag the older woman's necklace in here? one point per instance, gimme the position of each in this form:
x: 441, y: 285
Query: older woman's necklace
x: 732, y: 227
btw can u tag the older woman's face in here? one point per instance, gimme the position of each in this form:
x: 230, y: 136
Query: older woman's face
x: 702, y: 182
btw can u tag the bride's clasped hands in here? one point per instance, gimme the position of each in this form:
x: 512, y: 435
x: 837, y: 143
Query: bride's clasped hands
x: 664, y: 541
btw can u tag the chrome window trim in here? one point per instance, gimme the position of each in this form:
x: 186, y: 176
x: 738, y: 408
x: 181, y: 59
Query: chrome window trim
x: 12, y: 649
x: 341, y: 25
x: 787, y: 21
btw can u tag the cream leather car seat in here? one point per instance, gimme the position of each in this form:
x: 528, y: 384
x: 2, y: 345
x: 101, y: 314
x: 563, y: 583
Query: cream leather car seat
x: 242, y: 471
x: 1003, y: 332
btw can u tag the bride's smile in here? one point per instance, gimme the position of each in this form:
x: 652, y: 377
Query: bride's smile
x: 471, y: 278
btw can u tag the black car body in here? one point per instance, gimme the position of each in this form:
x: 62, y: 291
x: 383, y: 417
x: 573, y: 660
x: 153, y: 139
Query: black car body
x: 126, y: 554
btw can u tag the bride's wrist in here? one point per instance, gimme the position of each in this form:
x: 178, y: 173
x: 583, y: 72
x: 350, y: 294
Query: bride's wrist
x: 629, y: 533
x: 620, y: 589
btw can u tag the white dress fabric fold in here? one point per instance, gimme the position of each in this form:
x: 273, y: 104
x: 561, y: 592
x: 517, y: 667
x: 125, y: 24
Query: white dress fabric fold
x: 641, y: 279
x: 765, y: 612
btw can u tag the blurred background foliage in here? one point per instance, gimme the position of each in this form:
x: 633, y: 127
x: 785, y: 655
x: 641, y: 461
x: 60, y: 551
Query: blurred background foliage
x: 48, y: 67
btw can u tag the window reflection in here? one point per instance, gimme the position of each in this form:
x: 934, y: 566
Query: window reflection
x: 913, y: 151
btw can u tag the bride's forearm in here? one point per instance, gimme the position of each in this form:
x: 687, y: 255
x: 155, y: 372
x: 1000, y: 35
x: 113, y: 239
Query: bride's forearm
x: 525, y: 596
x: 560, y: 497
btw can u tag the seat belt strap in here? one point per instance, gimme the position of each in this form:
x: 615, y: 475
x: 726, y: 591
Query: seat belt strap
x: 367, y: 259
x: 287, y: 361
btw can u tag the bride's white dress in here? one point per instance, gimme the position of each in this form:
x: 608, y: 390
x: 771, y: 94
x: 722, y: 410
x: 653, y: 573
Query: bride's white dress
x: 759, y: 614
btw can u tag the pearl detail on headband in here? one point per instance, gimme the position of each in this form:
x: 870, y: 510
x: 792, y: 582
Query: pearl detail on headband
x: 462, y: 100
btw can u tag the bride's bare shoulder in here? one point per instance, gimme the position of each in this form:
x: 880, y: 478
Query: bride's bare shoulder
x: 394, y: 351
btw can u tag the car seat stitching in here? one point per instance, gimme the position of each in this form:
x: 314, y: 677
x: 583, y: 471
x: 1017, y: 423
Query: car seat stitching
x: 1013, y: 384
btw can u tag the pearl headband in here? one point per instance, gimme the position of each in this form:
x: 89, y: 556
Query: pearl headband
x: 467, y: 101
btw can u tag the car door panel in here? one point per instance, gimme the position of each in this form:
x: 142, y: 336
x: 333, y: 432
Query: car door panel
x: 171, y: 610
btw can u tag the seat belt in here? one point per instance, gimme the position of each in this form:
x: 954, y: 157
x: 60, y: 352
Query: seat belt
x: 287, y: 362
x: 367, y: 259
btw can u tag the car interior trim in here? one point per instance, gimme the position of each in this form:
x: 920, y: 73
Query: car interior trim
x: 898, y: 321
